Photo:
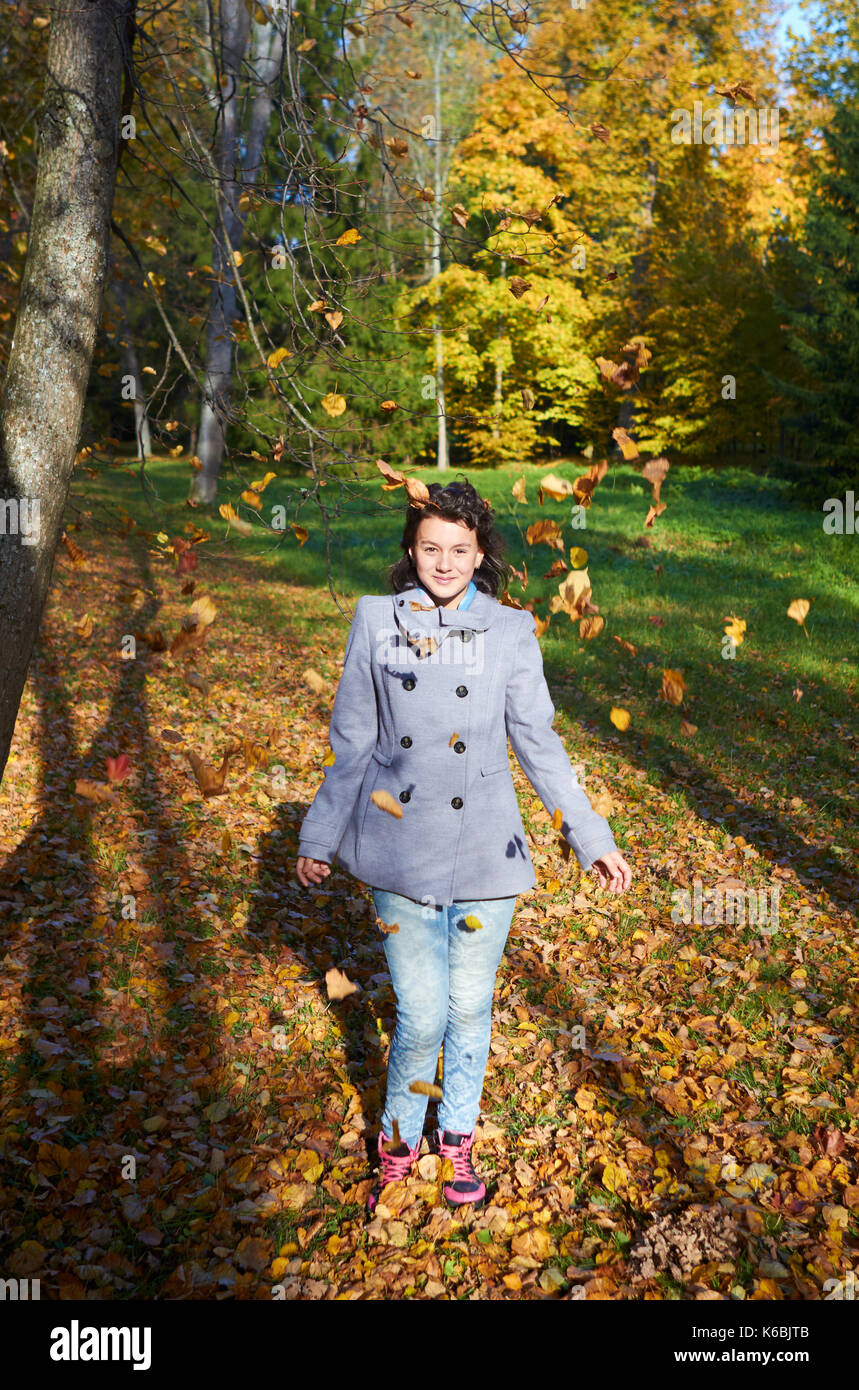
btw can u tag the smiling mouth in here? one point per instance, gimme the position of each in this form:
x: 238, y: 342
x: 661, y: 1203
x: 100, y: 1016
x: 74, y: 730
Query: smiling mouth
x: 449, y: 579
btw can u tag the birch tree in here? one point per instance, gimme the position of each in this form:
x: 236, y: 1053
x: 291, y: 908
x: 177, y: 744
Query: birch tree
x: 42, y: 396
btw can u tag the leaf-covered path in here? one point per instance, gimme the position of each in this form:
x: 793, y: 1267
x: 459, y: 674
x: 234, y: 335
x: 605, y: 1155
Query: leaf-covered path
x: 670, y: 1110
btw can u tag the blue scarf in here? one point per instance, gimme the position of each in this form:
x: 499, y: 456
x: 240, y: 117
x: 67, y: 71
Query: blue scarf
x: 465, y: 601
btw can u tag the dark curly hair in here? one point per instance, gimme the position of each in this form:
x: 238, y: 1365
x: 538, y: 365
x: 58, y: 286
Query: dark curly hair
x: 455, y: 501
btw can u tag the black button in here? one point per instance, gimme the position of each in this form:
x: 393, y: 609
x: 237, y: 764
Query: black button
x: 405, y: 796
x: 461, y: 690
x: 401, y: 602
x: 466, y: 636
x: 456, y: 803
x: 405, y: 741
x: 459, y: 746
x: 409, y: 683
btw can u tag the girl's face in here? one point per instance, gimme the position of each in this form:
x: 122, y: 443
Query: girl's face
x: 445, y: 555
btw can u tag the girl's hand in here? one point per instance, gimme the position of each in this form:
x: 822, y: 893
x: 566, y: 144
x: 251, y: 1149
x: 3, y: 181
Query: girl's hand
x: 613, y: 872
x: 311, y: 871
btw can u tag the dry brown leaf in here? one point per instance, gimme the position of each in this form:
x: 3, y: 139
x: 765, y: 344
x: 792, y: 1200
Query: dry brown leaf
x: 673, y: 686
x: 338, y: 985
x: 386, y: 802
x: 425, y: 1088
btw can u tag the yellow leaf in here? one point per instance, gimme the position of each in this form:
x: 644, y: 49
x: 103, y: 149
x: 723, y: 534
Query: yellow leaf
x: 619, y: 718
x: 301, y: 534
x: 426, y: 1088
x: 333, y: 404
x: 557, y: 488
x: 473, y: 923
x: 348, y: 238
x: 557, y: 818
x: 275, y: 358
x: 329, y: 759
x: 627, y: 446
x: 386, y: 802
x: 238, y: 257
x: 673, y: 686
x: 578, y: 557
x: 338, y: 985
x: 261, y: 486
x: 798, y: 610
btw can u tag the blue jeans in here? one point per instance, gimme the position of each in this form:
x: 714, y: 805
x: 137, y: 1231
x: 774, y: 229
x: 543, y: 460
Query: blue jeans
x: 443, y: 973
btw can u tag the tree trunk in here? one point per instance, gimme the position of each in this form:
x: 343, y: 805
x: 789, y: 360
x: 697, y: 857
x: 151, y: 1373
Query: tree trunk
x: 131, y: 367
x: 441, y: 451
x: 233, y: 175
x: 499, y: 367
x: 42, y: 399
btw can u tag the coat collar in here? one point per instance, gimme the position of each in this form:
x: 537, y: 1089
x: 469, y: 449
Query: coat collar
x: 480, y: 614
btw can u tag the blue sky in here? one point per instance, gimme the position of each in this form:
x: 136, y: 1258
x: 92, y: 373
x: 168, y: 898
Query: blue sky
x: 794, y: 19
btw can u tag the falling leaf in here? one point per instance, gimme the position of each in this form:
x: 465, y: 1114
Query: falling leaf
x: 528, y: 398
x: 518, y: 490
x: 334, y: 319
x: 619, y: 718
x: 279, y: 355
x: 333, y: 404
x: 518, y: 286
x: 673, y: 686
x: 386, y: 802
x: 459, y: 215
x: 338, y: 985
x: 545, y: 533
x: 591, y: 627
x: 735, y: 629
x: 473, y: 923
x: 389, y: 927
x: 95, y: 791
x: 557, y: 488
x: 627, y: 446
x: 118, y: 768
x: 237, y: 523
x: 426, y: 1088
x: 601, y: 132
x: 316, y: 682
x: 84, y: 626
x: 627, y: 646
x: 348, y: 238
x: 688, y: 729
x: 557, y: 818
x: 211, y: 781
x: 798, y: 610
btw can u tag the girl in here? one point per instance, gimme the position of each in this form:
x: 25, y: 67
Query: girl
x: 420, y: 805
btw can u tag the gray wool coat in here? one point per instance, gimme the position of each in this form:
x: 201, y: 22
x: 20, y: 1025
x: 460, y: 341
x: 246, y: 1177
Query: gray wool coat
x: 423, y: 711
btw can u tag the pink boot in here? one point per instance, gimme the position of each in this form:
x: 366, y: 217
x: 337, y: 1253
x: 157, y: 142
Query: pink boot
x: 392, y: 1166
x: 466, y: 1185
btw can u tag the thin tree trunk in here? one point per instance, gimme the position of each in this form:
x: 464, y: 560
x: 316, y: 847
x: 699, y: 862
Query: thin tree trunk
x: 131, y: 367
x: 499, y: 366
x: 234, y: 175
x: 441, y: 451
x: 42, y: 399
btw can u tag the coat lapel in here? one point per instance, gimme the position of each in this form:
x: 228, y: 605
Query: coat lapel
x: 425, y: 630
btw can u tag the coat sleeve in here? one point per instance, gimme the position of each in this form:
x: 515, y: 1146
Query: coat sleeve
x: 529, y: 713
x: 353, y: 732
